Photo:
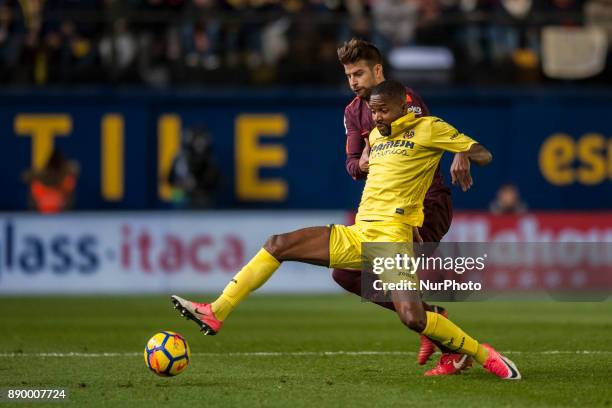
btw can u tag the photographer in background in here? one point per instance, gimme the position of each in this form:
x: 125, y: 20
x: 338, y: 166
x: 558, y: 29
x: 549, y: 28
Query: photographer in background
x: 52, y: 187
x: 194, y: 173
x: 508, y: 201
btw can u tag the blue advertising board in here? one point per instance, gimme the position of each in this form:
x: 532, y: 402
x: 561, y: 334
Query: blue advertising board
x: 285, y: 148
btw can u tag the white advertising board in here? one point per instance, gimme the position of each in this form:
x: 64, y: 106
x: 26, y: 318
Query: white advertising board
x: 150, y: 252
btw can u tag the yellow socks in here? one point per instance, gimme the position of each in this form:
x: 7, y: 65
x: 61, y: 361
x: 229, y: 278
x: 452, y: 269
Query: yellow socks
x: 450, y: 335
x: 251, y: 276
x: 481, y: 354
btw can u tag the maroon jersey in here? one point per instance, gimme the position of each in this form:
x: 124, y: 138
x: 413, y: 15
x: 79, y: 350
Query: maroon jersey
x: 358, y: 123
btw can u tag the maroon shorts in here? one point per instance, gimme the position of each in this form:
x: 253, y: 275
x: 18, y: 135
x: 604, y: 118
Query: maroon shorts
x: 438, y: 209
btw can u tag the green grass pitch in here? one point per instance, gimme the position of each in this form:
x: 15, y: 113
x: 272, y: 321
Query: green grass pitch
x: 272, y: 352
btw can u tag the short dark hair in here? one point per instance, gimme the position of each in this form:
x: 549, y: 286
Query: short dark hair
x: 356, y: 50
x: 390, y: 89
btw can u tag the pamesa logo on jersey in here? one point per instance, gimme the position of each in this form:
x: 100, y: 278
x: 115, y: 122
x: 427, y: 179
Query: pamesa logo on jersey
x: 393, y: 144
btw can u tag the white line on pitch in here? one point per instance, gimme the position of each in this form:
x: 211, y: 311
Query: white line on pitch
x: 286, y: 353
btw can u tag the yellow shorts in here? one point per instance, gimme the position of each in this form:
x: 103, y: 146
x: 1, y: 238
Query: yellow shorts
x: 345, y: 244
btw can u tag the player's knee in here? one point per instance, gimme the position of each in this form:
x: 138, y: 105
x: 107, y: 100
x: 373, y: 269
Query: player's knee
x: 275, y: 245
x: 341, y: 278
x: 348, y: 280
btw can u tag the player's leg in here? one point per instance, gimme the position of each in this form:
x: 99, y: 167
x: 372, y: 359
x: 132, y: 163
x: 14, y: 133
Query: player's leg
x: 350, y: 280
x: 308, y: 245
x: 438, y: 211
x: 435, y: 326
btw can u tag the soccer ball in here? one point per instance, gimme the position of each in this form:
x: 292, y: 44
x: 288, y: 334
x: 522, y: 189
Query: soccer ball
x: 167, y: 354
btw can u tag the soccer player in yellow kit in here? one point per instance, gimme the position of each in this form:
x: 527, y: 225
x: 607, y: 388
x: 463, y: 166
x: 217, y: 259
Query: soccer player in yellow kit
x: 405, y: 152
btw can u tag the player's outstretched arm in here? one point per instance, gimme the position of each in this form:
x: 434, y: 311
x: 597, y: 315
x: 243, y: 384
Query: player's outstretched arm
x: 445, y: 137
x: 479, y: 155
x: 467, y: 151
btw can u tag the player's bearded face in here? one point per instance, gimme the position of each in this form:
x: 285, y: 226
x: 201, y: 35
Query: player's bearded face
x: 361, y: 78
x: 384, y: 112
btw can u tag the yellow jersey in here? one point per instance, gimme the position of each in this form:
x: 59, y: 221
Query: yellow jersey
x: 402, y: 167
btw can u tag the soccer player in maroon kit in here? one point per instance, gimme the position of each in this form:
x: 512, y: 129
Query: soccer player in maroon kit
x: 362, y: 63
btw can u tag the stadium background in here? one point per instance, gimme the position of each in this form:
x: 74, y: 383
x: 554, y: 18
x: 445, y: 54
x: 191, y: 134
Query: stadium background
x: 116, y: 85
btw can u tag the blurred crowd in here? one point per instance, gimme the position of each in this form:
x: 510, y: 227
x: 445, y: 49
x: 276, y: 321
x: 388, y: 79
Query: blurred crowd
x: 164, y: 42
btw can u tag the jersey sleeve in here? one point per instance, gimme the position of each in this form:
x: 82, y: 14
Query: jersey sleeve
x: 445, y: 137
x: 354, y: 146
